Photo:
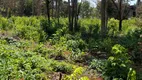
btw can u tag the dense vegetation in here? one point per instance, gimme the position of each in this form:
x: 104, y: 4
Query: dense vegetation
x: 31, y: 49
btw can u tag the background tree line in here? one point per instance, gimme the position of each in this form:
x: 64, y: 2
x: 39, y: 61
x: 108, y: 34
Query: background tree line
x: 73, y: 9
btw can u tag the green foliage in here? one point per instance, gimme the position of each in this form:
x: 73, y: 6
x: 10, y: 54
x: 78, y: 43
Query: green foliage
x: 131, y: 74
x: 76, y: 75
x: 86, y: 10
x: 132, y: 41
x: 17, y: 64
x: 67, y: 42
x: 112, y: 27
x: 62, y: 67
x: 4, y: 24
x: 118, y: 62
x: 103, y: 45
x: 138, y: 22
x: 89, y: 28
x: 99, y: 65
x: 139, y: 75
x: 30, y: 48
x: 28, y: 7
x: 24, y: 27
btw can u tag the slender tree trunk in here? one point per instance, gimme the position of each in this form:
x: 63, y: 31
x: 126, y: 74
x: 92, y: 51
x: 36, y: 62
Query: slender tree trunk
x: 38, y: 7
x: 103, y: 18
x: 52, y: 8
x: 72, y: 19
x: 120, y: 15
x: 58, y: 11
x: 48, y: 11
x: 21, y: 7
x: 56, y: 8
x: 76, y: 11
x: 138, y: 3
x: 33, y: 7
x: 69, y: 13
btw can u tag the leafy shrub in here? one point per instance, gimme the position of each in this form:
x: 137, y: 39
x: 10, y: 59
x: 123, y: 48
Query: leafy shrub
x: 28, y: 8
x: 106, y: 44
x: 3, y: 41
x: 103, y: 45
x: 118, y: 64
x: 89, y: 28
x: 138, y: 22
x: 99, y: 65
x: 76, y: 75
x: 30, y: 31
x: 78, y: 56
x: 16, y: 64
x: 131, y: 41
x: 62, y: 67
x: 112, y: 27
x: 131, y: 74
x: 4, y: 23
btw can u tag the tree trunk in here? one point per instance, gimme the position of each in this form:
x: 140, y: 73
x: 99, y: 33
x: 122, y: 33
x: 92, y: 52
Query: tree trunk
x: 120, y: 15
x: 56, y: 8
x: 58, y: 11
x: 33, y: 7
x: 52, y: 8
x: 21, y: 7
x: 103, y: 18
x: 72, y: 19
x: 69, y: 15
x: 138, y: 3
x: 48, y: 11
x: 76, y: 16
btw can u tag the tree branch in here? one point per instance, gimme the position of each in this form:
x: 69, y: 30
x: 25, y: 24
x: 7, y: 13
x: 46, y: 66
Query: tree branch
x: 115, y: 4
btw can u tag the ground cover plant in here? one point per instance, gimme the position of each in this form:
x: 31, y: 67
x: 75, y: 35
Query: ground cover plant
x: 31, y: 49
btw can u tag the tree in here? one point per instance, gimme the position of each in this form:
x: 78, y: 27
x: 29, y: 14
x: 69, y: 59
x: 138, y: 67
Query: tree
x: 138, y: 8
x: 86, y: 11
x: 138, y: 2
x: 121, y: 10
x: 103, y: 17
x: 58, y: 2
x: 73, y: 14
x: 21, y: 7
x: 120, y: 15
x: 69, y: 16
x: 118, y: 9
x: 29, y: 8
x: 48, y: 10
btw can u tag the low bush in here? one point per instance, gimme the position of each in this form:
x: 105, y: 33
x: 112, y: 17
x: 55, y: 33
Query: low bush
x: 132, y: 41
x: 17, y: 64
x: 98, y: 65
x: 118, y: 62
x: 76, y: 75
x: 62, y: 67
